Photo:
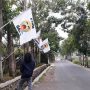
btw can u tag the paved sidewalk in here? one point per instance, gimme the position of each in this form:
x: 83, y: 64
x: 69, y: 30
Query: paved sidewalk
x: 47, y: 81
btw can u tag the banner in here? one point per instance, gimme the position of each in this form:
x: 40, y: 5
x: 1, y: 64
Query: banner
x: 38, y: 34
x: 38, y: 39
x: 45, y: 46
x: 24, y: 25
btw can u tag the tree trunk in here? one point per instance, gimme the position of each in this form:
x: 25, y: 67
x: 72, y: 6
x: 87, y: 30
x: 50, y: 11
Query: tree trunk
x: 27, y: 47
x: 32, y: 48
x: 1, y: 23
x: 44, y: 58
x: 86, y: 60
x: 10, y: 50
x: 39, y: 56
x: 36, y: 55
x: 1, y: 70
x: 80, y: 60
x: 83, y: 60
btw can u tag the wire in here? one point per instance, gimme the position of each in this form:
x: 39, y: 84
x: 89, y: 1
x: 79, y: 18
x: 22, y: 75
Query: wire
x: 5, y: 25
x: 10, y: 54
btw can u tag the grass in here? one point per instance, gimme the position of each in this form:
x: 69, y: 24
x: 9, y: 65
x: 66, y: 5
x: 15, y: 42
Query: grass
x: 76, y: 62
x: 42, y: 78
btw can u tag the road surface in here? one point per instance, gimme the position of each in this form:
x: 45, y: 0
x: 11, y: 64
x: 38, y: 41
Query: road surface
x: 65, y: 76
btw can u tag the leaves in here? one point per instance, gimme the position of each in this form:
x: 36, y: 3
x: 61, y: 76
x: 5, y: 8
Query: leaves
x: 40, y: 13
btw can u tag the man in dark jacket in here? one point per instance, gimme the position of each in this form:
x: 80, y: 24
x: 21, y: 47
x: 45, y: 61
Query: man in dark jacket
x: 26, y: 69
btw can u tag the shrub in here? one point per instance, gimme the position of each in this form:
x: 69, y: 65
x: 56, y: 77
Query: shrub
x: 76, y: 62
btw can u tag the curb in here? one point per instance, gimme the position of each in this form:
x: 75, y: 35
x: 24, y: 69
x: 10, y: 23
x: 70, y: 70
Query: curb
x: 37, y: 78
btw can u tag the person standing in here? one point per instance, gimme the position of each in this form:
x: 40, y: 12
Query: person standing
x: 26, y: 68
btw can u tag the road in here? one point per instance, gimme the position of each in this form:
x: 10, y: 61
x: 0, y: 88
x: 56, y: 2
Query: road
x: 65, y: 76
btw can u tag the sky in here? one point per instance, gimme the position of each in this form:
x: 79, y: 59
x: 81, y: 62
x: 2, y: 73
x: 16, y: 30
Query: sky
x: 59, y: 28
x: 61, y: 32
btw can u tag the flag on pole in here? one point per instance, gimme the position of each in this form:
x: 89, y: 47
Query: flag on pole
x: 38, y: 39
x: 45, y: 46
x: 38, y: 34
x: 24, y: 25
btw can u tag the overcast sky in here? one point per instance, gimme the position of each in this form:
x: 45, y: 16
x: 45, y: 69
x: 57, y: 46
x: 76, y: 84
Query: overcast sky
x: 61, y: 32
x: 59, y: 28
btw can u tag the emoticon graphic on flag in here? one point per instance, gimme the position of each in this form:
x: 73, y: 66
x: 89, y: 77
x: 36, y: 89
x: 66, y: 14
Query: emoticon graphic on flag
x: 24, y: 25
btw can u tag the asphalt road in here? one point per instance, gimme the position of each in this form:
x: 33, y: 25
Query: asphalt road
x: 65, y: 76
x: 71, y: 77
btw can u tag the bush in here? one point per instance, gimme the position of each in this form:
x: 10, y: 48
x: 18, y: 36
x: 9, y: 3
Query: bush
x: 76, y: 62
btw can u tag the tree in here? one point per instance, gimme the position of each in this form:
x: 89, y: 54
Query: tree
x: 10, y: 31
x: 80, y: 31
x: 41, y: 10
x: 1, y: 23
x: 68, y: 46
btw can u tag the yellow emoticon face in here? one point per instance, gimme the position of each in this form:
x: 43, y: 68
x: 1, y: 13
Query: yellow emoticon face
x: 25, y: 26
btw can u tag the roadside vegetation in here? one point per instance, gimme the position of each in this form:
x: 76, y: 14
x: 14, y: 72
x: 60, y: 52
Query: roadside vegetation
x: 9, y: 38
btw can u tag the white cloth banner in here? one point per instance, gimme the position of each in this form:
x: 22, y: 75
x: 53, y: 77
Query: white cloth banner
x: 24, y: 24
x: 45, y: 46
x: 38, y: 39
x: 38, y: 34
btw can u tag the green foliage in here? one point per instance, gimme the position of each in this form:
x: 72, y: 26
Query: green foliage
x: 2, y: 50
x: 51, y: 57
x: 58, y: 5
x: 79, y: 35
x: 68, y: 45
x: 9, y: 14
x: 19, y: 52
x: 76, y: 62
x: 53, y: 38
x: 40, y: 13
x: 88, y: 6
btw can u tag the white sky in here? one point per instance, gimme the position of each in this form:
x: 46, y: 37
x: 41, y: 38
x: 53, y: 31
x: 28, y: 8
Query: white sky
x: 59, y: 28
x: 61, y: 32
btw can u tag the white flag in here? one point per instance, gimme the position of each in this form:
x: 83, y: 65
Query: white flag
x: 38, y: 34
x: 24, y: 24
x: 38, y: 39
x: 45, y: 46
